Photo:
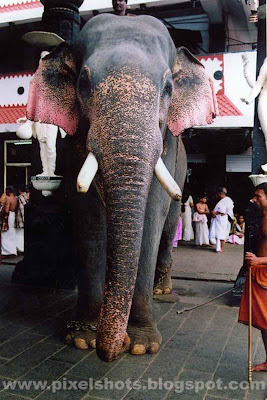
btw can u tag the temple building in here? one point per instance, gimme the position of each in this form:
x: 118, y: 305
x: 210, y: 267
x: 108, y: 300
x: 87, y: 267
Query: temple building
x: 218, y: 33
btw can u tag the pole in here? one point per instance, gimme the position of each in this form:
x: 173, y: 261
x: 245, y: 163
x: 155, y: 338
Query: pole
x: 249, y: 327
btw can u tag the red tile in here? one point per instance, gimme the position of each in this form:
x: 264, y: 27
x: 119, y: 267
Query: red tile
x: 226, y: 107
x: 10, y: 114
x: 18, y: 7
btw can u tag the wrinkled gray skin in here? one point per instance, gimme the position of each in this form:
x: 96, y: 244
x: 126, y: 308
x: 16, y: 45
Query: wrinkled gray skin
x: 124, y: 87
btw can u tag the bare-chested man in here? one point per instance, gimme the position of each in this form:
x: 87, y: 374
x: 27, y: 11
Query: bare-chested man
x: 8, y: 235
x: 11, y: 200
x: 120, y: 7
x: 258, y: 265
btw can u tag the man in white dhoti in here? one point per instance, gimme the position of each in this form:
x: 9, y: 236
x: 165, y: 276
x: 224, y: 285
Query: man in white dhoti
x: 8, y: 234
x: 219, y: 228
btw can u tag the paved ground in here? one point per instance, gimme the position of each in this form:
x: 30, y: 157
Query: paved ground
x: 205, y: 263
x: 197, y: 262
x: 206, y: 345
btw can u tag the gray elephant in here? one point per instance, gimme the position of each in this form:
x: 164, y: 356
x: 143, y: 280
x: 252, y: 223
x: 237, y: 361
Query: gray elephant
x: 124, y: 83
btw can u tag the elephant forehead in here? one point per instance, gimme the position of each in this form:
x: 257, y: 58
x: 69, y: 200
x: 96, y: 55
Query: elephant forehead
x: 128, y: 82
x: 126, y: 86
x: 125, y: 60
x: 143, y: 33
x: 129, y: 103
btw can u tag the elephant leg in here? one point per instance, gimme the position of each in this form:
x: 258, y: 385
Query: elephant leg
x: 142, y: 328
x: 162, y: 281
x: 90, y: 235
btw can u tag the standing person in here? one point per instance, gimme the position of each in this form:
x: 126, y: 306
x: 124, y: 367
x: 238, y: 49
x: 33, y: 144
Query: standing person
x: 219, y: 228
x: 258, y: 264
x: 19, y: 223
x: 201, y: 222
x: 120, y: 7
x: 8, y: 234
x: 187, y: 204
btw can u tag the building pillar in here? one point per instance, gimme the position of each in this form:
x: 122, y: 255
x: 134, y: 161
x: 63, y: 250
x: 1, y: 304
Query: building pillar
x: 62, y: 17
x: 49, y: 256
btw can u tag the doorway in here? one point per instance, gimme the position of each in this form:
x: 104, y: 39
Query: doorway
x: 17, y: 165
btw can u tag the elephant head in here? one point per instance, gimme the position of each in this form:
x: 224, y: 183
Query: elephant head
x: 125, y: 77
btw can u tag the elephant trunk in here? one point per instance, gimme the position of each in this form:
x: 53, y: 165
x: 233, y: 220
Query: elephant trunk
x: 126, y: 203
x: 127, y: 142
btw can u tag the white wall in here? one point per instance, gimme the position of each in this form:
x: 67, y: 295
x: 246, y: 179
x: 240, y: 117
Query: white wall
x: 234, y: 85
x: 9, y: 89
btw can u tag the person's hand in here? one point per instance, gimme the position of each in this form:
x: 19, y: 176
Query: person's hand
x: 245, y: 100
x: 251, y: 260
x: 213, y: 214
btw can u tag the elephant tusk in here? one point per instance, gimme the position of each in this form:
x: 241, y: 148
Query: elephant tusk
x: 87, y: 173
x: 167, y: 181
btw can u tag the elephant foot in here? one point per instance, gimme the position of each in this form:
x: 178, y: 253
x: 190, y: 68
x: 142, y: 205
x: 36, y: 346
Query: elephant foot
x: 162, y: 283
x: 144, y: 339
x: 81, y: 334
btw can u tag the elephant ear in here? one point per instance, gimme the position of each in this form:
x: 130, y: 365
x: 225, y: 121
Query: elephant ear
x: 52, y: 94
x: 193, y: 102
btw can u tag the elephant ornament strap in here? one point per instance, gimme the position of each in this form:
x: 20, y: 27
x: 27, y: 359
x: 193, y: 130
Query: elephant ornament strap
x: 81, y: 326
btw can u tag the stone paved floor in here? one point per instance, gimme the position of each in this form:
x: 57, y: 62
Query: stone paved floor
x: 197, y: 262
x: 204, y: 263
x: 201, y: 346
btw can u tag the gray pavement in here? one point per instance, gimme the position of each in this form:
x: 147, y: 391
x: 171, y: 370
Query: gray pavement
x: 203, y: 354
x: 204, y: 263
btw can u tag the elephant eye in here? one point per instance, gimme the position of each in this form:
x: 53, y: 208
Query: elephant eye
x: 167, y: 91
x: 85, y: 84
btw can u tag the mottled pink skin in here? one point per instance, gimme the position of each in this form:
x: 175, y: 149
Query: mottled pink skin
x: 194, y: 101
x: 47, y: 105
x: 39, y: 109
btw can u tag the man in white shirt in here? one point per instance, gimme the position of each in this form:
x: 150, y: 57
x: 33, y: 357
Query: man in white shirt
x: 219, y: 228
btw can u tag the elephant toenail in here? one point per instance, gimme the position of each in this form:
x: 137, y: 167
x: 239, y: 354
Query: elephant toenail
x: 138, y: 349
x: 153, y: 348
x: 68, y: 339
x: 157, y: 291
x: 167, y: 291
x: 126, y: 343
x: 93, y: 344
x: 80, y: 344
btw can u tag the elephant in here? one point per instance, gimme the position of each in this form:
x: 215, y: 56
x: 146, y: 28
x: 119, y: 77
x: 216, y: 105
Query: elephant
x: 125, y: 84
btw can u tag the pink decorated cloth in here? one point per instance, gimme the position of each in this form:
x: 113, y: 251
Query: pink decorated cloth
x: 178, y: 234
